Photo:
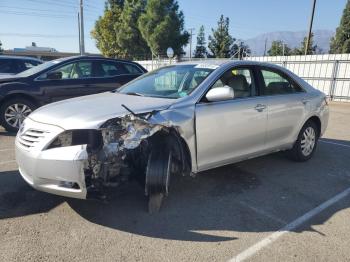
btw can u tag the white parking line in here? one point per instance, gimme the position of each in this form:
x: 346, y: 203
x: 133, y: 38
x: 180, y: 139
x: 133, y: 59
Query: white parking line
x: 291, y: 226
x: 333, y: 143
x: 7, y: 149
x: 262, y: 212
x: 7, y: 162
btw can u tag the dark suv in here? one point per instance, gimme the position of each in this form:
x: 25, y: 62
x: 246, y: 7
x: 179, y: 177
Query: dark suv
x: 10, y: 65
x: 60, y: 79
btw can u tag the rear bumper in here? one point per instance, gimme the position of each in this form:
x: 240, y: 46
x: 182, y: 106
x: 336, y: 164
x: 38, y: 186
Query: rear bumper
x: 58, y: 171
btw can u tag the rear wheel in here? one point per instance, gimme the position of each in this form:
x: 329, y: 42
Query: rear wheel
x: 158, y: 173
x: 306, y: 143
x: 13, y: 113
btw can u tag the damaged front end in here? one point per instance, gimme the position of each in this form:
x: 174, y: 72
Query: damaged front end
x: 131, y: 147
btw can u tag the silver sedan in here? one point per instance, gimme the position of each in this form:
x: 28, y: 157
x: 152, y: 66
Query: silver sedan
x: 177, y: 120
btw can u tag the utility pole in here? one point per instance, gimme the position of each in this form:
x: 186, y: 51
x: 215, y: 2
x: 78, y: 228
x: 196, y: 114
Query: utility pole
x: 310, y: 27
x: 191, y: 34
x: 265, y: 47
x: 81, y: 29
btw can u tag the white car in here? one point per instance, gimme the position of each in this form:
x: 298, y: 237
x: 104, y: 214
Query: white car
x: 177, y: 120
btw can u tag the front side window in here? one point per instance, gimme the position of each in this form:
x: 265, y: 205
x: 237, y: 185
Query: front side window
x: 73, y: 70
x: 277, y: 84
x: 240, y: 80
x: 168, y: 82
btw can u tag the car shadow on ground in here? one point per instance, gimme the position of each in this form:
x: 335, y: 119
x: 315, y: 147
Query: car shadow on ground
x: 212, y: 207
x: 5, y: 133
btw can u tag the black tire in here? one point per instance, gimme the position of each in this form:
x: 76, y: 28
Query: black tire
x: 158, y: 174
x: 298, y: 152
x: 4, y: 120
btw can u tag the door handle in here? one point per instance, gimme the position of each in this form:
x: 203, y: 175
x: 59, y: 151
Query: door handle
x: 260, y: 107
x: 305, y: 101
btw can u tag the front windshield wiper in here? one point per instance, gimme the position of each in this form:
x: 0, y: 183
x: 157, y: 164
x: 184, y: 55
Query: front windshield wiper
x: 133, y: 94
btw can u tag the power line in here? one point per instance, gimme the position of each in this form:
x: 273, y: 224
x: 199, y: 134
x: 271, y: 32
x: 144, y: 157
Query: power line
x: 38, y: 35
x: 18, y: 13
x: 42, y: 10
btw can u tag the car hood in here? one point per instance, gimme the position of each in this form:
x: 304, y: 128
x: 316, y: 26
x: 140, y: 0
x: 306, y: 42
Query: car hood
x: 6, y: 78
x: 93, y: 110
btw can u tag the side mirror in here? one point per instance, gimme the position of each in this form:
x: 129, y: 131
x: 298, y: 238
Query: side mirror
x: 54, y: 75
x: 220, y: 94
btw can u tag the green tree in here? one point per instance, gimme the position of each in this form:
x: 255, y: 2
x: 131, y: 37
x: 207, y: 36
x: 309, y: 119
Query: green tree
x: 220, y: 43
x: 312, y: 49
x: 201, y: 49
x: 277, y: 49
x: 340, y: 43
x: 162, y: 26
x: 116, y: 32
x: 106, y: 31
x: 1, y: 49
x: 130, y: 38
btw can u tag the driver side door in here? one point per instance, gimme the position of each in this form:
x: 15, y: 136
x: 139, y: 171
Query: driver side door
x: 75, y: 81
x: 235, y: 129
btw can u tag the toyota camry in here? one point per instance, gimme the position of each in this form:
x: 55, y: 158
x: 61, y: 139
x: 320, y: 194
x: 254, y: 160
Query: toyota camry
x: 178, y: 120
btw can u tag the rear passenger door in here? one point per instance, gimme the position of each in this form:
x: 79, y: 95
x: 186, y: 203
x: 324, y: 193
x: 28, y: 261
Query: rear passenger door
x: 286, y: 106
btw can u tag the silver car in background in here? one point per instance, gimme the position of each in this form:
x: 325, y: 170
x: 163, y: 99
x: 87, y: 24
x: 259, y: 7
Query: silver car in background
x: 177, y: 120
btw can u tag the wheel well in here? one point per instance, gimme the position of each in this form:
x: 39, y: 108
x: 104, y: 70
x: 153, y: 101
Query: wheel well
x: 178, y: 145
x: 316, y: 120
x: 25, y: 96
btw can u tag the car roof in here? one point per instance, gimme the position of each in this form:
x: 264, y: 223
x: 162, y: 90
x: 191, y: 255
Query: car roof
x: 217, y: 63
x: 19, y: 57
x: 83, y: 57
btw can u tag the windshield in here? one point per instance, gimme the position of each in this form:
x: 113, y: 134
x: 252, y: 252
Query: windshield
x: 168, y: 82
x: 37, y: 69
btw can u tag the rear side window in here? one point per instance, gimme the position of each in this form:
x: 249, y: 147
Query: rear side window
x: 8, y: 66
x: 277, y: 84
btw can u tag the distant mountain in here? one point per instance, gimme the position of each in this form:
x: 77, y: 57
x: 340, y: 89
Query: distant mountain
x: 292, y: 39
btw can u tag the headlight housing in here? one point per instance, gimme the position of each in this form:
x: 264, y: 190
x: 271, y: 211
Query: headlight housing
x: 89, y: 137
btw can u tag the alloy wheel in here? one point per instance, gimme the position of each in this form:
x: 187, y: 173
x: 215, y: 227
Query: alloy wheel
x: 308, y: 141
x: 16, y: 113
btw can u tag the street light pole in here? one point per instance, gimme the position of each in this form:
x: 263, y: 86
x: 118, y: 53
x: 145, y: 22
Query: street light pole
x: 81, y: 29
x: 310, y: 27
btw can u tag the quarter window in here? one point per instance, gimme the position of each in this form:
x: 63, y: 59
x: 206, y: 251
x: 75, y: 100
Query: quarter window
x: 132, y: 69
x: 277, y: 84
x: 240, y: 80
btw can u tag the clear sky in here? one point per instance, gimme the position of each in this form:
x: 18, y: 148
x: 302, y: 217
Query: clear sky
x: 53, y: 23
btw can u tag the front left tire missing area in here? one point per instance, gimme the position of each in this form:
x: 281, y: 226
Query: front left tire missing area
x: 158, y: 174
x: 14, y: 111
